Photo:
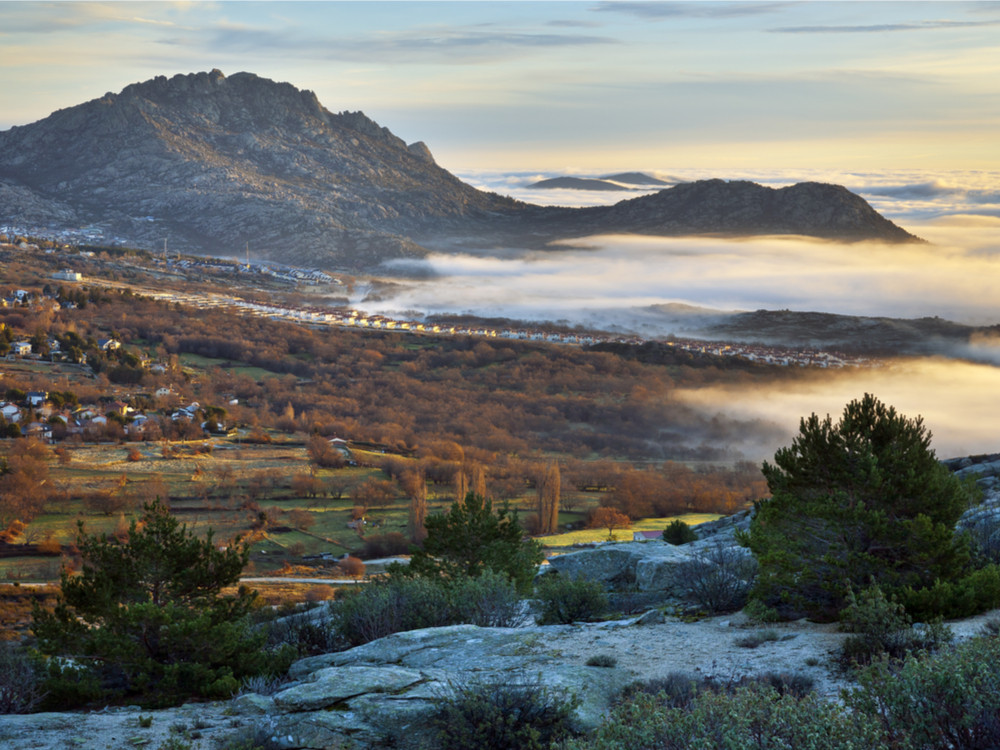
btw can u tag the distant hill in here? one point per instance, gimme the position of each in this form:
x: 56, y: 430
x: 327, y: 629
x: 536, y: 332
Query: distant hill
x: 216, y: 163
x: 638, y: 178
x: 577, y: 183
x: 621, y: 181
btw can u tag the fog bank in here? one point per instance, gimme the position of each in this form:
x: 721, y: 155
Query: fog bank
x: 956, y: 399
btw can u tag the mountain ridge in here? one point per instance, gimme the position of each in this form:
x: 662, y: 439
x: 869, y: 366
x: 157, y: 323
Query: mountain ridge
x: 218, y: 163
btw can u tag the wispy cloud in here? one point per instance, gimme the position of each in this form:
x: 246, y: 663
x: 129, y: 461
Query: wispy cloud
x: 428, y: 44
x: 657, y: 10
x: 879, y: 28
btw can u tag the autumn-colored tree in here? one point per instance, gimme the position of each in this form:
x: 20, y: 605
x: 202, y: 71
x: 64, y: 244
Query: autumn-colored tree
x: 610, y: 519
x: 300, y: 519
x: 306, y: 485
x: 24, y: 487
x: 548, y: 490
x: 373, y: 493
x: 14, y: 529
x: 323, y: 454
x: 415, y: 486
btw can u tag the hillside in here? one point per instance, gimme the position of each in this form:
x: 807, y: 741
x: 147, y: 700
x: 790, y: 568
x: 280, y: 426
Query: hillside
x: 219, y: 165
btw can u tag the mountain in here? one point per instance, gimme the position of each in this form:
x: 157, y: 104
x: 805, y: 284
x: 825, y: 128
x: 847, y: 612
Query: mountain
x: 620, y: 181
x: 638, y: 178
x: 216, y: 163
x: 577, y: 183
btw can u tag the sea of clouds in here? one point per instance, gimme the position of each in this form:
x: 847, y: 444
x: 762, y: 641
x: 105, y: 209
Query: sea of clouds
x: 655, y: 287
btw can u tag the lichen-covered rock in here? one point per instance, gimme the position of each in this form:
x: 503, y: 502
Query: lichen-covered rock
x: 333, y: 685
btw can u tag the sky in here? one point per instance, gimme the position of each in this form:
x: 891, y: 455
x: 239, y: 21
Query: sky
x: 565, y: 86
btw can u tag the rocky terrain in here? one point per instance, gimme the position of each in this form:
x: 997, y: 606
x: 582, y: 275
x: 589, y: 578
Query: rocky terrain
x: 217, y: 163
x: 374, y: 694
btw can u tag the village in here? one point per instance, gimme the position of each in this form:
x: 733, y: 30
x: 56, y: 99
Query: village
x: 345, y: 316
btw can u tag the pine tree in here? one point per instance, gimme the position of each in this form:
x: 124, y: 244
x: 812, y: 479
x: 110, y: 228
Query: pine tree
x: 854, y: 502
x: 471, y: 539
x: 148, y: 615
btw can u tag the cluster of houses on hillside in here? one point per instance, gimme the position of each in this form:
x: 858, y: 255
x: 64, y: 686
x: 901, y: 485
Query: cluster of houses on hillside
x: 37, y: 416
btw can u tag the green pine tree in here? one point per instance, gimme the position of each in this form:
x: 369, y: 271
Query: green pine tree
x: 471, y: 539
x: 854, y: 502
x: 148, y: 617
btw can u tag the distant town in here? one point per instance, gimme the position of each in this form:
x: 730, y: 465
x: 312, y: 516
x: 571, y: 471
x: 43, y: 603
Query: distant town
x: 59, y: 242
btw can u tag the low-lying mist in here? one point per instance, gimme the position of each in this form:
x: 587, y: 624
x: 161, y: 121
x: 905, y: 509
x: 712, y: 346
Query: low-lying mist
x: 616, y: 280
x: 655, y: 287
x: 957, y: 401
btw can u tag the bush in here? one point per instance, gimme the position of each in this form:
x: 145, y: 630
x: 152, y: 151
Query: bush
x: 391, y: 606
x: 752, y: 716
x: 512, y: 713
x: 20, y: 683
x: 562, y: 600
x: 399, y: 604
x: 947, y: 700
x: 490, y: 601
x: 976, y: 592
x: 632, y: 601
x: 606, y: 661
x: 880, y: 626
x: 718, y: 578
x: 678, y: 532
x: 674, y: 690
x: 384, y: 545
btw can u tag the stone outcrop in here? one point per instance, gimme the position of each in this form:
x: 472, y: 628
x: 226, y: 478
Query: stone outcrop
x: 217, y: 162
x: 653, y: 565
x: 374, y: 693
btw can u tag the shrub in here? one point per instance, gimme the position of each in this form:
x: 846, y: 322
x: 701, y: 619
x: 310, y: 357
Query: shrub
x: 718, y: 578
x: 752, y: 716
x: 602, y: 660
x: 674, y: 690
x: 678, y: 532
x: 20, y: 683
x: 632, y: 601
x: 490, y: 601
x: 976, y: 592
x: 946, y: 700
x: 351, y: 566
x: 510, y: 713
x: 787, y: 683
x: 399, y: 604
x: 881, y: 626
x: 562, y: 600
x: 391, y: 606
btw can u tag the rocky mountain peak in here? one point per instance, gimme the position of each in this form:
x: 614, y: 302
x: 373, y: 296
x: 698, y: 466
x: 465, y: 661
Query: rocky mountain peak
x: 217, y: 162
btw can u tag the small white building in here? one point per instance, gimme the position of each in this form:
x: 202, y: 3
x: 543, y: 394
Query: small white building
x: 68, y: 274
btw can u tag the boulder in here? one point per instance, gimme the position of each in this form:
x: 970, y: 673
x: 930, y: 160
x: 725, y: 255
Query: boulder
x: 380, y: 692
x: 333, y: 685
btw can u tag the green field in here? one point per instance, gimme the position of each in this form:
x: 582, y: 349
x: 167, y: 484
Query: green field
x: 586, y: 536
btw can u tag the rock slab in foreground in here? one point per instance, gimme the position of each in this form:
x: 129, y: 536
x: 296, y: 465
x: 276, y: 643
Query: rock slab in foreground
x: 381, y: 690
